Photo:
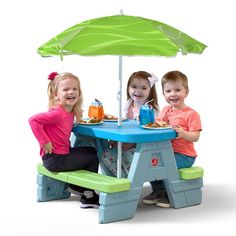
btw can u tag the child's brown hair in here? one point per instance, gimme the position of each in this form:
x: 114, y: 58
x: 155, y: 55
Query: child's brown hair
x: 152, y: 95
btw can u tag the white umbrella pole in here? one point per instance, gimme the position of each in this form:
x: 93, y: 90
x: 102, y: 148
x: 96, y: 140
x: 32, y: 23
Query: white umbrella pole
x: 119, y: 147
x: 119, y: 159
x: 120, y: 92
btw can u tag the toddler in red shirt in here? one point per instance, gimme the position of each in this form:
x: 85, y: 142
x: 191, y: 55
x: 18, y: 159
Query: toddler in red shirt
x: 187, y: 124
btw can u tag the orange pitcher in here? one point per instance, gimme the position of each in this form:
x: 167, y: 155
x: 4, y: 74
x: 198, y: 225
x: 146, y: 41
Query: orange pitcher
x: 96, y: 110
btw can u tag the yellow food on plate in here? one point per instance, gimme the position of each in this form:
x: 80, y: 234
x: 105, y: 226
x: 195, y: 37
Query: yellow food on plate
x: 158, y: 124
x: 90, y: 121
x: 110, y: 117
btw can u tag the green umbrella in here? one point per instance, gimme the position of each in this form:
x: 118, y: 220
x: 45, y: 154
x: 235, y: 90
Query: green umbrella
x: 124, y: 36
x: 121, y: 35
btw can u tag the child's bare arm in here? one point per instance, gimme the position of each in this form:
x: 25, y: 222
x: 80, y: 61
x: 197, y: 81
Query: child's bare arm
x: 127, y: 146
x: 191, y: 136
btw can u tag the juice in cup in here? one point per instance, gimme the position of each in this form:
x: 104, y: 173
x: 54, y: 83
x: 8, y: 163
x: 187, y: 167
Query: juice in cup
x: 96, y: 110
x: 146, y: 115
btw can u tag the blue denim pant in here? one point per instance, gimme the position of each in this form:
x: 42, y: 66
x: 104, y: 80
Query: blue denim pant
x: 182, y: 161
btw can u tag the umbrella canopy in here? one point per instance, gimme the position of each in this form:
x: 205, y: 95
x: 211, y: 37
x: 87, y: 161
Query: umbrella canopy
x: 121, y: 35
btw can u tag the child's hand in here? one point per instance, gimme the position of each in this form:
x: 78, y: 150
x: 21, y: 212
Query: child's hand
x: 192, y: 136
x: 180, y: 132
x: 47, y: 148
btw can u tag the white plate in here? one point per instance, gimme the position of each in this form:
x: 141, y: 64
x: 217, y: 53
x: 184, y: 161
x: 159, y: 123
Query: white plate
x: 82, y: 123
x: 115, y: 120
x: 145, y: 127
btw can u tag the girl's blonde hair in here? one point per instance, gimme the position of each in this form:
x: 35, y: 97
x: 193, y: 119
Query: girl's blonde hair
x: 52, y: 91
x: 153, y: 93
x: 173, y: 77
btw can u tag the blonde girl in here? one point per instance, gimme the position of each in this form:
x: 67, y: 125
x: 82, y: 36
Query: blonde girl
x: 54, y: 79
x: 53, y: 128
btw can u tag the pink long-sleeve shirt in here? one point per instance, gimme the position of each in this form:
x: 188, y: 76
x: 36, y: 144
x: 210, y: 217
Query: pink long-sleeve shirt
x: 53, y: 126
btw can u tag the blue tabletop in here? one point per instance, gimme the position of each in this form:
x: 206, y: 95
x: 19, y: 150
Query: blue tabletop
x: 129, y: 132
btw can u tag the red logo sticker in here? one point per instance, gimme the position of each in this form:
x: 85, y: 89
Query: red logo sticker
x: 154, y: 161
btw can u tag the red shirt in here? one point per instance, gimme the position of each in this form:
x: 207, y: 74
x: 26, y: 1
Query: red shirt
x: 189, y: 120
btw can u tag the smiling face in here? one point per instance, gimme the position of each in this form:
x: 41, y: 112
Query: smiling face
x: 175, y: 94
x: 67, y: 93
x: 139, y: 90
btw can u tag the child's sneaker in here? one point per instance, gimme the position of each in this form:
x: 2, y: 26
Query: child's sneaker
x: 164, y: 201
x: 89, y: 200
x: 153, y: 197
x: 72, y: 191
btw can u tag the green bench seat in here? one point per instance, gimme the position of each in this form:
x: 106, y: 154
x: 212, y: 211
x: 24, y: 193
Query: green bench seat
x: 91, y: 180
x: 193, y: 172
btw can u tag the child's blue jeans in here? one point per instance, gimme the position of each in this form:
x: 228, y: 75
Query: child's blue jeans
x: 182, y: 161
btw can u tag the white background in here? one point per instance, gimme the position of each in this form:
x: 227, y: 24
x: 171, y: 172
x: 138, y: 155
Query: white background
x: 26, y: 25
